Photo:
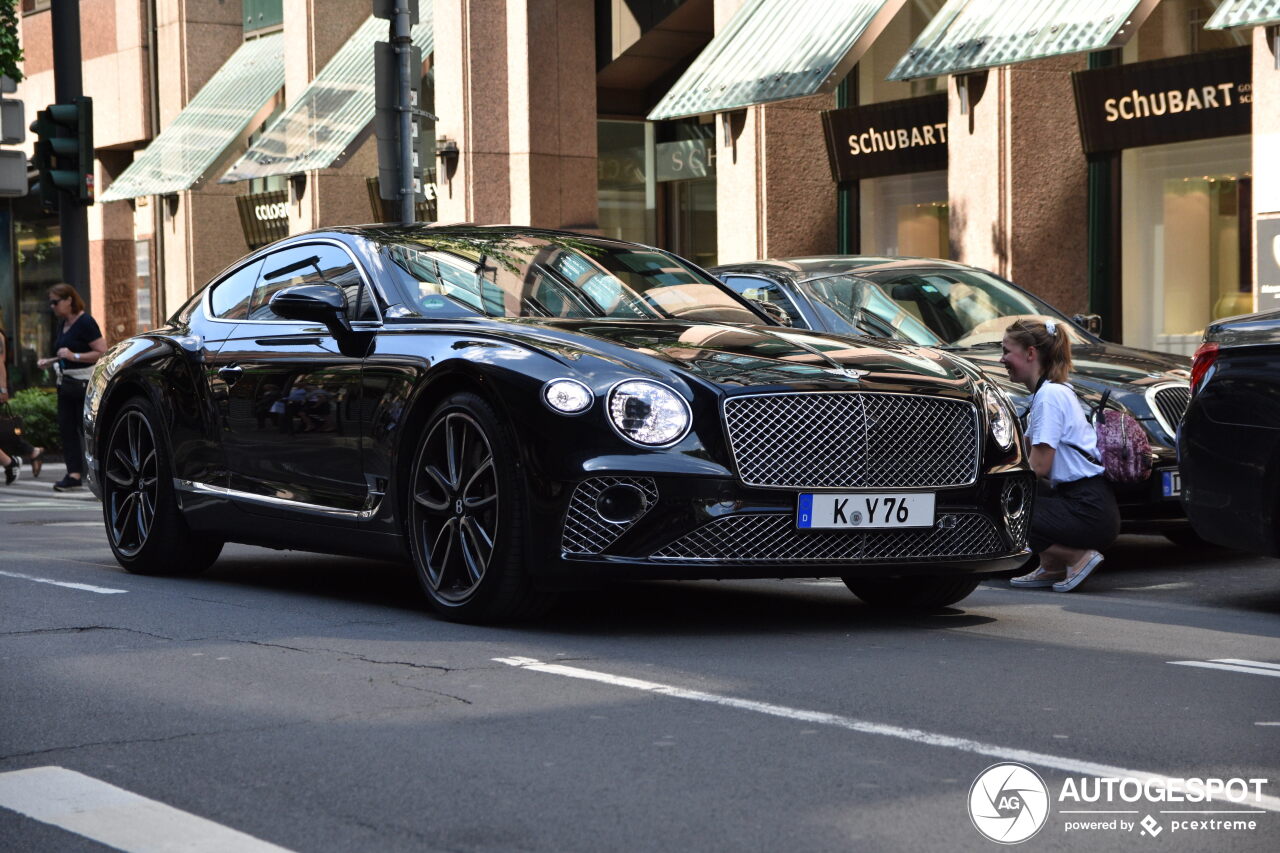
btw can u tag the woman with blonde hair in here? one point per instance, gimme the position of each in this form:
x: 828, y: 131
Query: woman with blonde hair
x: 77, y: 344
x: 1075, y: 513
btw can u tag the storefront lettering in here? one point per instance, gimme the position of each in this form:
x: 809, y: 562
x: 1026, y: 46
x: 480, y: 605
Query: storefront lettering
x: 873, y: 141
x: 1139, y: 105
x: 267, y: 212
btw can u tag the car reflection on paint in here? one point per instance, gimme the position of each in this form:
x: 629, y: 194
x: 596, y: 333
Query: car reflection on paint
x: 512, y: 409
x: 966, y: 310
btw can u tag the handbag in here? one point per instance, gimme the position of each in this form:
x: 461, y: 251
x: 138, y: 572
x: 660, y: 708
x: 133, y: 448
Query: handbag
x: 11, y: 440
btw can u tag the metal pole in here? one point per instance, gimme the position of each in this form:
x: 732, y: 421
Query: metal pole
x: 73, y: 219
x: 404, y: 53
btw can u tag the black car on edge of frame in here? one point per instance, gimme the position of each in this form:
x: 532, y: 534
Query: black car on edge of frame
x: 513, y: 409
x: 1229, y: 442
x: 965, y: 310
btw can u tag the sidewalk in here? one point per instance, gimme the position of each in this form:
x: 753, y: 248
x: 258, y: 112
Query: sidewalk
x: 26, y: 488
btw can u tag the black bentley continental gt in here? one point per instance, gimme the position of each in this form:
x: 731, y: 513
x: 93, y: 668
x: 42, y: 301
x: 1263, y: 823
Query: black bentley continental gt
x: 514, y: 409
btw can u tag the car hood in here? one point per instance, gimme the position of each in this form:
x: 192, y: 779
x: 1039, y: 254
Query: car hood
x: 734, y: 356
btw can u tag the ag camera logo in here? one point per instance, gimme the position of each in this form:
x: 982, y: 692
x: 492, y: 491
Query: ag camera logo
x: 1008, y: 803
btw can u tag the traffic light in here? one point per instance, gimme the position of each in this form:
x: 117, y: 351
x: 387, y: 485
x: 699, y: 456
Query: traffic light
x: 64, y: 153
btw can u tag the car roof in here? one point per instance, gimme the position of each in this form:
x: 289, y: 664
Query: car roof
x: 820, y: 266
x: 482, y: 238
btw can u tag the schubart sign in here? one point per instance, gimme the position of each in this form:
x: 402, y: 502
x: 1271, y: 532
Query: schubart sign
x: 890, y: 138
x: 1169, y: 100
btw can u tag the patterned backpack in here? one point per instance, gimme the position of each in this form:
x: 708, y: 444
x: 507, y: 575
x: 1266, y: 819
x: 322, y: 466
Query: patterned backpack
x: 1122, y: 444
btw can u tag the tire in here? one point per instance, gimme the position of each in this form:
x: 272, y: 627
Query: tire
x: 922, y: 594
x: 467, y: 517
x: 145, y: 527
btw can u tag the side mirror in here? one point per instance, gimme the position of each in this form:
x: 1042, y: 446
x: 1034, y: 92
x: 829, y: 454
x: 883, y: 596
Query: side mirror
x: 314, y: 303
x: 1091, y: 323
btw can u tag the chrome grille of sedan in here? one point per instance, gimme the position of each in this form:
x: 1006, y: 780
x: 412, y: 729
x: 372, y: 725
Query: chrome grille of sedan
x: 774, y: 539
x: 585, y: 532
x: 1169, y: 404
x: 852, y: 439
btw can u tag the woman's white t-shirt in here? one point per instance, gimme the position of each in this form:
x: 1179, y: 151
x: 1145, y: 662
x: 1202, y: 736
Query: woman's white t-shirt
x: 1056, y: 420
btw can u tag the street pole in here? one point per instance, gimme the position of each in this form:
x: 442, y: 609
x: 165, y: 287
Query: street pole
x: 403, y: 42
x: 73, y: 218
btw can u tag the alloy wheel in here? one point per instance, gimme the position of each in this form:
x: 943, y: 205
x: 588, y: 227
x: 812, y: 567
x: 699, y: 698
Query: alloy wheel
x: 131, y: 482
x: 455, y: 506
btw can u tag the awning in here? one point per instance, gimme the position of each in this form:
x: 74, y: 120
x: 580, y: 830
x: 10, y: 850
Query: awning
x: 323, y: 123
x: 772, y: 50
x: 215, y: 117
x: 1244, y: 13
x: 968, y: 35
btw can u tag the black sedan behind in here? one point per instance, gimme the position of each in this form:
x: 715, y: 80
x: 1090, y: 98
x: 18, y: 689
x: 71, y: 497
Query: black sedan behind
x: 1229, y: 444
x: 965, y: 310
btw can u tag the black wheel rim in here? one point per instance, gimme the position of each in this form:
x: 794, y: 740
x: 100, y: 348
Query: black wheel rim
x: 455, y: 507
x: 131, y: 479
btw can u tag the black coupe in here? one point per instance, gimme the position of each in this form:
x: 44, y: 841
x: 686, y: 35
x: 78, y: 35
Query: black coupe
x: 966, y: 311
x: 513, y: 409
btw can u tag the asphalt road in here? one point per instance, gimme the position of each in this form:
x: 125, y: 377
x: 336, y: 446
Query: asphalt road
x: 311, y: 703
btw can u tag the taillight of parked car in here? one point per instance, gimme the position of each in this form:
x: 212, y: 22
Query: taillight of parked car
x: 1201, y: 362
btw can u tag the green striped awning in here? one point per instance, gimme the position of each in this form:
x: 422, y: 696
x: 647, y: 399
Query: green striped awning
x: 772, y: 50
x: 332, y: 114
x: 969, y: 35
x: 221, y: 111
x: 1244, y: 13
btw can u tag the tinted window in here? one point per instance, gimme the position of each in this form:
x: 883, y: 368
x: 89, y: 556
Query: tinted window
x: 966, y: 307
x: 764, y: 290
x: 230, y: 297
x: 868, y: 309
x: 311, y: 264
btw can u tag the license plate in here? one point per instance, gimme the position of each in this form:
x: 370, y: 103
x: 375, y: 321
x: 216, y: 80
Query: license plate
x: 1171, y: 483
x: 862, y: 511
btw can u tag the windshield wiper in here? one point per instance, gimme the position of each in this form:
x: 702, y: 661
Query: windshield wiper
x: 980, y: 345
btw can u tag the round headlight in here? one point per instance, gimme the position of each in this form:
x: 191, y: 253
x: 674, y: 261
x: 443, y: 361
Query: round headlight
x: 567, y: 396
x: 648, y: 413
x: 999, y: 418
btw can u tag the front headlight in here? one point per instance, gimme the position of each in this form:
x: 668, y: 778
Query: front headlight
x: 648, y: 413
x: 999, y: 418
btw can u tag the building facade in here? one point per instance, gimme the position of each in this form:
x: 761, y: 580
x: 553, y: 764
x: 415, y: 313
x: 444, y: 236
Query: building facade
x: 1122, y: 163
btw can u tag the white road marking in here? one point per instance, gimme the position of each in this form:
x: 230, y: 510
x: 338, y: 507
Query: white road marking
x: 1178, y: 585
x: 1068, y: 765
x: 1252, y: 667
x: 116, y: 817
x: 72, y: 524
x: 102, y: 590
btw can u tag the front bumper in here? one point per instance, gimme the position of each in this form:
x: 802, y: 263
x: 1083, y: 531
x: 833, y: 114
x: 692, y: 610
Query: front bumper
x: 698, y: 527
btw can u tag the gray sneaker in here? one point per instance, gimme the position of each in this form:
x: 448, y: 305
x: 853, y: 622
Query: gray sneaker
x: 1079, y: 574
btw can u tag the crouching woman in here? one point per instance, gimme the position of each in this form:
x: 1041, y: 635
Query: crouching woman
x: 1075, y: 514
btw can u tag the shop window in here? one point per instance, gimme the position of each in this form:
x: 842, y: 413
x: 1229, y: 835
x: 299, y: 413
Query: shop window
x: 145, y: 314
x: 1186, y: 221
x: 888, y: 48
x: 905, y: 215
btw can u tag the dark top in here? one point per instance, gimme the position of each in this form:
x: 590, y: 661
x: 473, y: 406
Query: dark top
x: 82, y: 333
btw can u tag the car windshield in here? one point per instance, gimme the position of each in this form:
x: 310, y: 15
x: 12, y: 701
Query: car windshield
x: 966, y: 308
x: 868, y: 309
x: 463, y: 272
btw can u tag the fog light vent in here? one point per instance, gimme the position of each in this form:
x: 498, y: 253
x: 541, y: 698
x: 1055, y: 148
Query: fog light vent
x: 604, y: 508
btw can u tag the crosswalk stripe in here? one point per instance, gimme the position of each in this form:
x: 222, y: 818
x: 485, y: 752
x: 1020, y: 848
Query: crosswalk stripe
x: 116, y: 817
x: 1252, y: 669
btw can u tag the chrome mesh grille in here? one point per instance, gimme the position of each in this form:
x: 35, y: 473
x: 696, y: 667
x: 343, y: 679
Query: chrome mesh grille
x: 774, y: 539
x: 852, y: 440
x: 1169, y: 402
x: 585, y: 532
x: 1018, y: 526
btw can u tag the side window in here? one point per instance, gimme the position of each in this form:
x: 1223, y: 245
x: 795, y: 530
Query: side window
x: 764, y: 290
x: 313, y: 264
x: 230, y: 298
